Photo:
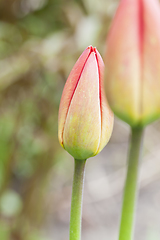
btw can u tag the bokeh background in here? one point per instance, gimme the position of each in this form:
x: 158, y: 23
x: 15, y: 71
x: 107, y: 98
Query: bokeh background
x: 40, y: 40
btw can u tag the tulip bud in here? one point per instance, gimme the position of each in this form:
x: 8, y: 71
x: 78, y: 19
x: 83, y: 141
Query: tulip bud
x: 132, y: 75
x: 85, y: 120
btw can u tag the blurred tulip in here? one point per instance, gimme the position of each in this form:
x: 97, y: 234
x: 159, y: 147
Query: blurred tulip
x: 132, y: 75
x: 85, y: 120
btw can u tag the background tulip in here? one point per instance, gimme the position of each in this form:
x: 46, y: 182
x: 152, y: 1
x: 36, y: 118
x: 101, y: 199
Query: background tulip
x: 132, y: 76
x: 85, y: 120
x: 132, y: 85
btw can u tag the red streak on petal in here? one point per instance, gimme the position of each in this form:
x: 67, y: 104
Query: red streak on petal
x: 141, y: 25
x: 91, y: 50
x: 100, y: 82
x: 141, y: 45
x: 102, y: 99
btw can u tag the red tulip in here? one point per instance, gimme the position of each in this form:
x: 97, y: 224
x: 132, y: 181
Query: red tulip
x: 132, y: 76
x: 85, y: 120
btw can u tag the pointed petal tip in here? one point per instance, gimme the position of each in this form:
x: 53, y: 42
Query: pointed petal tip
x: 92, y: 49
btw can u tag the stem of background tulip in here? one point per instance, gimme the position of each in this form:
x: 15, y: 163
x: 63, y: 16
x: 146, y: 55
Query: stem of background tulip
x: 130, y: 191
x: 76, y: 204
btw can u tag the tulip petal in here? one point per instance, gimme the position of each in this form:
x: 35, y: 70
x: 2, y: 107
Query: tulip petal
x: 82, y: 130
x: 68, y: 91
x: 106, y: 113
x: 151, y: 61
x: 123, y: 63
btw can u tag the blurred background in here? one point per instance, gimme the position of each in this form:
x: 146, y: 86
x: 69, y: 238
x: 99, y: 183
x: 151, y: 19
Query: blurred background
x: 40, y: 40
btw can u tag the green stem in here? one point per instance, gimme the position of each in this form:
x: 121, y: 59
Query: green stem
x: 76, y: 204
x: 130, y: 191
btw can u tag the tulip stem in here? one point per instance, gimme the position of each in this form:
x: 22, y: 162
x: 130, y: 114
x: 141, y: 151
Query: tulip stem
x: 76, y: 203
x: 130, y: 191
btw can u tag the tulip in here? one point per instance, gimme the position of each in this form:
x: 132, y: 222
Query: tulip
x: 85, y: 119
x: 132, y: 75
